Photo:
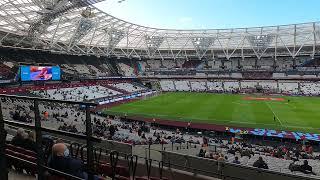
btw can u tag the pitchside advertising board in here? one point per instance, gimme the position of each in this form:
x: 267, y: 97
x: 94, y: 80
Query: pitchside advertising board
x: 275, y: 133
x: 40, y: 73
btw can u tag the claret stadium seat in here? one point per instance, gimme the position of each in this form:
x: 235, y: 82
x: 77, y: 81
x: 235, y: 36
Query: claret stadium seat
x: 29, y: 168
x: 21, y: 150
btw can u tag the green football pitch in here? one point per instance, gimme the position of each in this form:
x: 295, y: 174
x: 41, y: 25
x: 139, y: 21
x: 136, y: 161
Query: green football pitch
x: 297, y: 114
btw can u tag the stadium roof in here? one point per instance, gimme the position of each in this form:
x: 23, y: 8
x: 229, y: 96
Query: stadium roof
x: 77, y: 27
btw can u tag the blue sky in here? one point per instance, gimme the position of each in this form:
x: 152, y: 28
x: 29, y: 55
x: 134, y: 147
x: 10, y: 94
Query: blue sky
x: 195, y: 14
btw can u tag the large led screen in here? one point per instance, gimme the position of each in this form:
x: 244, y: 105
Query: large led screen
x: 40, y: 73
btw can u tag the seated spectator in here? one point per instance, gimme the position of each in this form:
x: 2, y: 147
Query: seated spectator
x: 297, y: 153
x: 294, y: 167
x: 306, y: 168
x: 158, y: 140
x: 19, y: 139
x: 310, y: 150
x: 112, y: 130
x: 247, y: 153
x: 61, y: 161
x: 260, y: 164
x: 236, y: 160
x: 215, y: 156
x: 30, y: 143
x: 231, y: 151
x: 202, y: 153
x: 207, y: 154
x: 287, y: 156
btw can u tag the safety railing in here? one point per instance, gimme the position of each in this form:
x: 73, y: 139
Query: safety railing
x: 40, y: 160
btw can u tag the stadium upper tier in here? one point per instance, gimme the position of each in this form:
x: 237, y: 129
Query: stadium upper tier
x: 77, y: 27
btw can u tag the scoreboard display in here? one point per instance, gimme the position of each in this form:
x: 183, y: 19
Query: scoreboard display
x: 40, y: 73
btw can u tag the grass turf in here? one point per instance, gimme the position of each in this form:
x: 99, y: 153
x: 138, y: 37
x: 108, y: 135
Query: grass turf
x: 300, y: 114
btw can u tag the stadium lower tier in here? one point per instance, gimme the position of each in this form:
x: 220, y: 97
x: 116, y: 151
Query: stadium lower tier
x: 289, y: 87
x: 278, y: 116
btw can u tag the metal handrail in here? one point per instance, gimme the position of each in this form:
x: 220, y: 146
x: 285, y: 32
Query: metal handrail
x: 39, y: 129
x: 46, y: 167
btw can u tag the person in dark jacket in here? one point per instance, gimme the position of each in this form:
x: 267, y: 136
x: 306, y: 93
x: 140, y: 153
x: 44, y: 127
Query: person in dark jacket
x: 306, y: 168
x: 61, y: 161
x: 260, y: 164
x: 236, y: 160
x: 30, y: 143
x: 112, y: 130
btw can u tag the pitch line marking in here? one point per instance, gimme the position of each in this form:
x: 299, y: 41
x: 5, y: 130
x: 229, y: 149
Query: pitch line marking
x: 274, y: 113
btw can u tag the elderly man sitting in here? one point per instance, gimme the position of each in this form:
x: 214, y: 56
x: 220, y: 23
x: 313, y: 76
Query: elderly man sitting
x: 61, y: 161
x: 305, y: 168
